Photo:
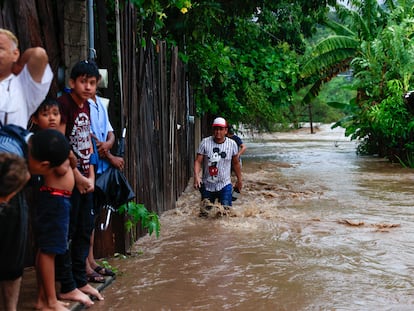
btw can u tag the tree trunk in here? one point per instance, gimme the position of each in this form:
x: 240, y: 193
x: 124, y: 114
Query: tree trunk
x: 26, y: 18
x: 75, y: 33
x: 52, y: 36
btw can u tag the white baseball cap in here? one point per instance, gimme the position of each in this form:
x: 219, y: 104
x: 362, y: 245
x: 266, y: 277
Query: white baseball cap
x: 219, y: 122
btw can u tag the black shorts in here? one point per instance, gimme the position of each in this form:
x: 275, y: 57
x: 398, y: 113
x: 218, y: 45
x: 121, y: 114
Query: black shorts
x: 51, y: 223
x: 13, y: 238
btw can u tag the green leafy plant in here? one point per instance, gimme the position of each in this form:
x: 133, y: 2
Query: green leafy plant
x: 105, y: 263
x: 138, y: 213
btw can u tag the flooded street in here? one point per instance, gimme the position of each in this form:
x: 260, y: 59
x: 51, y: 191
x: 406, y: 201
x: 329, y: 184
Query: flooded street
x: 316, y: 228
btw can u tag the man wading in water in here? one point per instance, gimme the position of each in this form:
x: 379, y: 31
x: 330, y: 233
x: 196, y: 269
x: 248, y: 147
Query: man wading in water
x: 216, y: 155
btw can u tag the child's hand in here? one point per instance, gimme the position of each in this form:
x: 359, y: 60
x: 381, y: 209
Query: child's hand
x: 103, y: 148
x: 84, y: 185
x: 117, y: 162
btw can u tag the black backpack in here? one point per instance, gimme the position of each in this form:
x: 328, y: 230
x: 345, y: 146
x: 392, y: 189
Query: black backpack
x: 18, y: 134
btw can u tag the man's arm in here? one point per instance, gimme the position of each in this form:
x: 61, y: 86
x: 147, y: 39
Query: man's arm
x: 36, y: 60
x: 242, y: 149
x: 237, y: 170
x: 197, y: 167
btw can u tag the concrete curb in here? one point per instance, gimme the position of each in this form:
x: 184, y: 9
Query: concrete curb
x: 76, y: 306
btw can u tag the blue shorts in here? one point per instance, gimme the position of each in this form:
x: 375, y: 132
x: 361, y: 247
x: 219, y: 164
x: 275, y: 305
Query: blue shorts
x: 51, y: 222
x: 224, y: 196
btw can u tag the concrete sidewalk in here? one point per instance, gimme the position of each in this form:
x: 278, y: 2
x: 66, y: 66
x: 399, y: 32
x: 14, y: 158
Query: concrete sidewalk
x: 28, y: 291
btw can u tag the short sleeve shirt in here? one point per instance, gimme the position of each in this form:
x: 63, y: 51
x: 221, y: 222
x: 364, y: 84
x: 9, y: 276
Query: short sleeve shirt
x: 100, y: 126
x: 78, y: 130
x: 20, y: 96
x: 217, y: 162
x: 237, y: 139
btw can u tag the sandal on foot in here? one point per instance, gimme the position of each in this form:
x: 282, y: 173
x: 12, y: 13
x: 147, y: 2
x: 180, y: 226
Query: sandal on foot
x: 95, y: 277
x: 104, y: 271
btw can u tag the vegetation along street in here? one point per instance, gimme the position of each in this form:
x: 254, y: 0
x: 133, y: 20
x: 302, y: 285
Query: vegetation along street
x: 267, y: 64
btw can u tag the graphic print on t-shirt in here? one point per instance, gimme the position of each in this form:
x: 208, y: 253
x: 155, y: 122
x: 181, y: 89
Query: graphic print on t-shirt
x: 213, y: 160
x: 79, y: 140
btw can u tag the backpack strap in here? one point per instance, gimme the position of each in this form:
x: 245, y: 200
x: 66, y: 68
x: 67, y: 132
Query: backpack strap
x: 18, y: 134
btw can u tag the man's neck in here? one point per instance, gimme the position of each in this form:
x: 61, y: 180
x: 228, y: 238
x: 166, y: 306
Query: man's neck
x: 219, y: 140
x: 4, y: 76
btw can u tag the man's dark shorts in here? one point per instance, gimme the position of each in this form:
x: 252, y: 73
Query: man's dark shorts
x: 13, y: 238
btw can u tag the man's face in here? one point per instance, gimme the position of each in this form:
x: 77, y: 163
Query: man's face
x: 219, y: 133
x: 9, y: 54
x: 84, y: 87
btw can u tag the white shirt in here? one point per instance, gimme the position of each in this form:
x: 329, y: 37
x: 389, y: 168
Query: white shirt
x: 20, y: 96
x: 217, y: 162
x: 100, y: 126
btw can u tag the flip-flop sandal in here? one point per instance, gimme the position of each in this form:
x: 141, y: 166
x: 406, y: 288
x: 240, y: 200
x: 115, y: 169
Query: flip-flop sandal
x: 95, y: 277
x: 104, y: 271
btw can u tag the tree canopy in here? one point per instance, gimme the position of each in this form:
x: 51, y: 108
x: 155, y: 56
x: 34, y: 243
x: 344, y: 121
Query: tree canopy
x: 251, y: 61
x: 375, y: 41
x: 242, y: 55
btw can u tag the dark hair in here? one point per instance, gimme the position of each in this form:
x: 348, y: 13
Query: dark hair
x: 49, y: 145
x: 86, y: 68
x: 13, y: 173
x: 45, y: 105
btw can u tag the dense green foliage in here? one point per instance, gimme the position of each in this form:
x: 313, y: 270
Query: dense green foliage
x: 375, y: 41
x: 258, y: 64
x: 242, y: 56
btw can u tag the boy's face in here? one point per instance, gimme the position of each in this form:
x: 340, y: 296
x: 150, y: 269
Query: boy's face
x: 83, y: 87
x: 49, y: 118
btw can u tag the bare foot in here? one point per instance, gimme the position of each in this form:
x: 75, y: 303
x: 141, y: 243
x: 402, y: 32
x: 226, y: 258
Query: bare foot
x: 92, y: 291
x: 77, y: 295
x: 40, y: 305
x: 58, y: 306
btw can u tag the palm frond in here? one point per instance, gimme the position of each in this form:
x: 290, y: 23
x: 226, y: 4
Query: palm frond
x: 312, y: 92
x: 362, y: 26
x: 336, y: 42
x: 340, y: 29
x: 328, y: 58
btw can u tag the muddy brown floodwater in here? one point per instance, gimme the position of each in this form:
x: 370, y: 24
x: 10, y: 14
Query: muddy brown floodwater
x: 317, y: 228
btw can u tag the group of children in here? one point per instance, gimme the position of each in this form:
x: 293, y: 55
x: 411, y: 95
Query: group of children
x: 61, y: 190
x: 69, y: 189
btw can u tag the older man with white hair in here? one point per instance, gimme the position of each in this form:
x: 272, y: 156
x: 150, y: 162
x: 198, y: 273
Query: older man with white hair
x: 24, y: 82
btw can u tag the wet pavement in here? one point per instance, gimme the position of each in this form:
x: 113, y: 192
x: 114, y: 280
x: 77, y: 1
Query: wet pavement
x: 28, y: 291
